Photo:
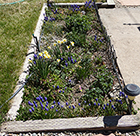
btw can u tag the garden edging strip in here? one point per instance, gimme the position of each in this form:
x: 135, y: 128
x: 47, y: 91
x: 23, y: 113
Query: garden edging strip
x: 108, y: 4
x: 73, y: 124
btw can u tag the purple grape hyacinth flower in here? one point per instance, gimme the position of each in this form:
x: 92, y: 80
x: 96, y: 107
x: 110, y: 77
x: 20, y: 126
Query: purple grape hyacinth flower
x: 31, y: 104
x: 45, y: 98
x: 35, y: 56
x: 99, y: 104
x: 66, y: 64
x: 66, y: 103
x: 103, y: 108
x: 73, y: 106
x: 95, y: 103
x: 79, y: 104
x: 30, y: 110
x: 46, y: 109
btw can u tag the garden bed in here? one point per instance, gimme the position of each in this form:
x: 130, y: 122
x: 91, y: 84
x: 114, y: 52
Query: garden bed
x: 72, y: 74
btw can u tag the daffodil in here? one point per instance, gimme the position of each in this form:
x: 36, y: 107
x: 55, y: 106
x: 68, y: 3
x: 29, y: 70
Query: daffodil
x: 45, y: 52
x: 48, y: 56
x: 40, y: 54
x: 45, y: 56
x: 68, y: 47
x: 59, y: 42
x: 58, y: 60
x: 64, y: 40
x: 54, y: 44
x: 72, y: 43
x: 30, y: 60
x: 49, y: 47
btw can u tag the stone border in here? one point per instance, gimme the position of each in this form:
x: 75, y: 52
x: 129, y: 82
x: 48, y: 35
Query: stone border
x: 108, y: 4
x: 126, y: 122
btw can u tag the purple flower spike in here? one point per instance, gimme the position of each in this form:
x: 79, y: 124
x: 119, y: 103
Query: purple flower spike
x: 67, y: 103
x: 41, y: 105
x: 53, y: 86
x: 63, y: 91
x: 69, y: 80
x: 109, y: 100
x: 31, y: 104
x: 89, y: 104
x: 95, y: 103
x: 72, y: 61
x: 61, y: 59
x: 96, y: 99
x: 47, y: 102
x: 99, y: 104
x: 107, y: 104
x: 66, y: 64
x: 56, y: 110
x: 65, y: 88
x: 126, y: 96
x: 34, y: 62
x: 45, y: 113
x: 68, y: 58
x: 35, y: 56
x: 30, y: 110
x: 69, y: 107
x: 58, y: 103
x: 36, y: 105
x: 62, y: 106
x: 60, y: 91
x: 45, y: 98
x: 75, y: 61
x: 49, y: 5
x: 85, y: 101
x: 46, y: 109
x: 34, y: 102
x: 53, y: 102
x: 79, y: 104
x: 73, y: 106
x: 103, y: 108
x: 57, y: 87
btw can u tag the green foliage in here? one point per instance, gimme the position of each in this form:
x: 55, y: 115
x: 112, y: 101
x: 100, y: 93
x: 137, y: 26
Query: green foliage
x: 77, y: 23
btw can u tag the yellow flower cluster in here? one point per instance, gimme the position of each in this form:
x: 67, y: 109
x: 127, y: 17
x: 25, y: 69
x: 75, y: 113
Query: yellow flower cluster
x: 61, y: 42
x: 46, y: 54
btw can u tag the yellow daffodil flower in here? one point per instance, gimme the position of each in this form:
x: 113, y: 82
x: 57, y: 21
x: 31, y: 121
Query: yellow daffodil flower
x: 30, y: 60
x: 58, y: 60
x: 72, y: 43
x: 49, y: 47
x: 64, y: 40
x: 45, y: 56
x: 59, y: 42
x: 68, y: 47
x: 40, y: 54
x: 48, y: 56
x: 45, y: 52
x: 54, y: 44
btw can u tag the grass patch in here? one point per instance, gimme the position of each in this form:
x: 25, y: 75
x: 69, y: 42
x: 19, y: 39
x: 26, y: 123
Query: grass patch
x: 17, y: 24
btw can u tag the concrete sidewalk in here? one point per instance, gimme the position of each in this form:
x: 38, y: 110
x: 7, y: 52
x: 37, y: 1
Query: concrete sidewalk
x: 123, y: 27
x: 130, y: 2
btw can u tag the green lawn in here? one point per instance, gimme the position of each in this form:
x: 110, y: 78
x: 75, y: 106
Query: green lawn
x: 17, y: 24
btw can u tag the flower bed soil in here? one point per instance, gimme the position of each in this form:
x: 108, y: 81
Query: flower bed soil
x: 72, y: 73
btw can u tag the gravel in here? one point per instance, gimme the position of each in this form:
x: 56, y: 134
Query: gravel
x: 89, y: 133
